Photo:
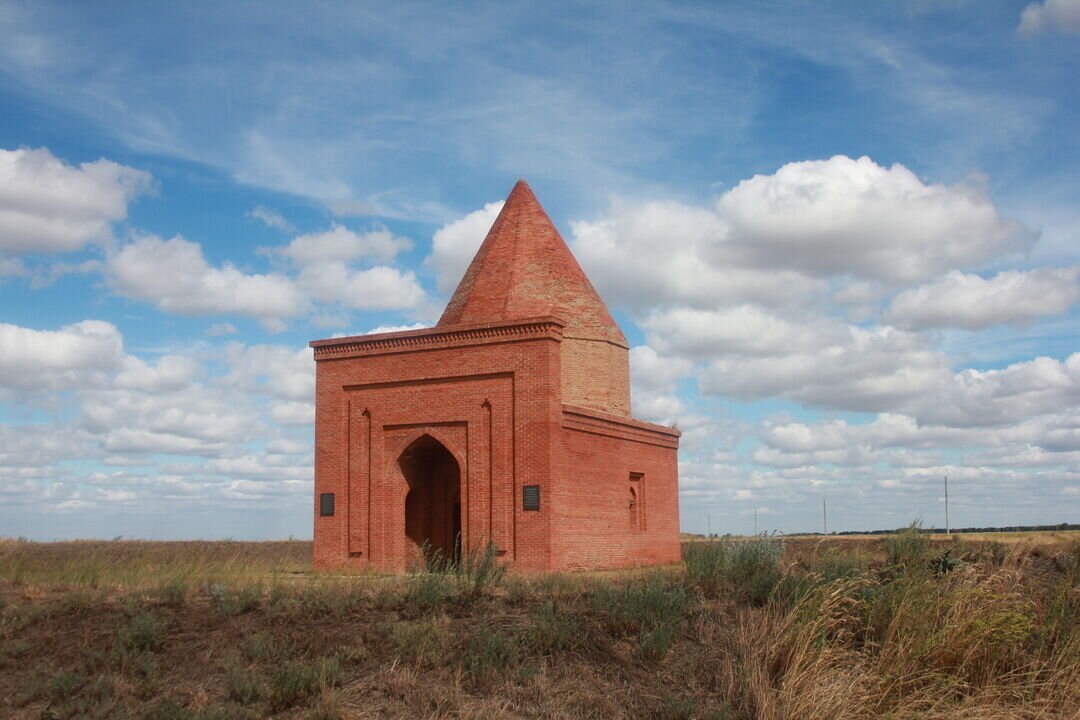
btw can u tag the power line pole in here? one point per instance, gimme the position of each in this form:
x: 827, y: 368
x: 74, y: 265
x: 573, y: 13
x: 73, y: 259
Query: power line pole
x: 710, y: 526
x: 948, y: 529
x: 755, y: 521
x: 824, y: 516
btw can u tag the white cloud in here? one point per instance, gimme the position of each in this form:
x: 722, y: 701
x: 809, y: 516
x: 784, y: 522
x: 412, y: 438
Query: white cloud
x: 377, y: 288
x: 742, y: 330
x: 844, y: 216
x: 454, y: 245
x: 58, y: 359
x: 341, y: 244
x: 293, y: 413
x: 395, y: 328
x: 170, y: 373
x: 654, y: 381
x: 134, y: 440
x: 773, y: 240
x: 221, y: 329
x: 847, y: 457
x: 45, y: 276
x: 10, y: 267
x: 47, y: 205
x: 285, y: 446
x: 871, y: 370
x: 1022, y: 390
x: 212, y: 417
x: 1060, y: 15
x: 281, y: 372
x: 270, y: 218
x: 665, y: 252
x: 174, y: 275
x: 970, y: 302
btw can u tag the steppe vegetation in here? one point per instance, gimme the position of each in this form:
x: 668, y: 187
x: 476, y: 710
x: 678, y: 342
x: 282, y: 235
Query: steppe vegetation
x: 897, y: 627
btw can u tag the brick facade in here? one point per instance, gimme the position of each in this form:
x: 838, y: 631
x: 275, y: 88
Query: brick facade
x: 521, y: 390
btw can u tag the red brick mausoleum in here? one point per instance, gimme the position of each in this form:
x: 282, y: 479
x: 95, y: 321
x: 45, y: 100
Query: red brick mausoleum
x: 508, y: 422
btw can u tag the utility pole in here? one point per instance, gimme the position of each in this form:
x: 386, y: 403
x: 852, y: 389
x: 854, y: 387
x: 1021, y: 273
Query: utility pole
x: 824, y: 516
x: 948, y: 529
x: 709, y: 535
x: 755, y: 521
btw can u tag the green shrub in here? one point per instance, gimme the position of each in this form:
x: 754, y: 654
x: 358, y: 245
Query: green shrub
x: 328, y: 707
x: 489, y: 652
x: 263, y: 646
x: 640, y: 606
x: 550, y: 631
x: 673, y: 707
x: 238, y: 601
x: 479, y: 572
x: 748, y: 569
x: 945, y: 563
x: 172, y: 591
x: 706, y: 566
x: 908, y: 548
x: 427, y: 590
x: 418, y: 641
x: 294, y: 681
x: 755, y: 566
x: 145, y: 632
x: 101, y: 688
x: 36, y: 687
x: 242, y: 685
x: 655, y: 642
x: 470, y: 576
x: 64, y: 684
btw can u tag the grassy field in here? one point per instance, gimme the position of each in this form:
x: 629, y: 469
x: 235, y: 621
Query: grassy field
x: 898, y: 627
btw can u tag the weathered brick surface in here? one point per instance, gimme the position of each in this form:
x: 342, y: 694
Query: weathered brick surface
x: 516, y: 400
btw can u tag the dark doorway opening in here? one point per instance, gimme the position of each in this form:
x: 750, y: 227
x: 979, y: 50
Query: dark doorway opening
x: 433, y: 504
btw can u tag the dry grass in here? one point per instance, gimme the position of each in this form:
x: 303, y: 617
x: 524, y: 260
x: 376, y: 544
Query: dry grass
x: 828, y: 628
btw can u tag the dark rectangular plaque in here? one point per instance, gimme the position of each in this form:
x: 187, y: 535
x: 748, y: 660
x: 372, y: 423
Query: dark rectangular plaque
x: 530, y: 497
x: 326, y: 504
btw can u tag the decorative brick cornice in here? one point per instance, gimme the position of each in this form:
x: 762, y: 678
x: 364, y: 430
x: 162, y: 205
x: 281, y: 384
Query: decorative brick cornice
x: 437, y: 337
x: 592, y: 421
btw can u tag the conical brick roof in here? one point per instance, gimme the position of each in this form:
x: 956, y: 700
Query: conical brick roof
x: 525, y: 269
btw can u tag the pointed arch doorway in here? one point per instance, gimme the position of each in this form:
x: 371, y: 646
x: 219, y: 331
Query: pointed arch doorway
x: 433, y: 501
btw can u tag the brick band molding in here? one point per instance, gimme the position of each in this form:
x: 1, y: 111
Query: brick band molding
x: 585, y: 420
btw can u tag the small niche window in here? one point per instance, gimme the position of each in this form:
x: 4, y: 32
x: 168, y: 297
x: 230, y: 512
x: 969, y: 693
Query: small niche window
x: 326, y: 504
x: 637, y: 501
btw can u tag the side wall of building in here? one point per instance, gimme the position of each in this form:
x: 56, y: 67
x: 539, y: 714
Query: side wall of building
x: 617, y: 498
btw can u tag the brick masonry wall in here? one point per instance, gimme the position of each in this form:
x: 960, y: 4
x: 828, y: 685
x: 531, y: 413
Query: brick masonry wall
x: 596, y: 374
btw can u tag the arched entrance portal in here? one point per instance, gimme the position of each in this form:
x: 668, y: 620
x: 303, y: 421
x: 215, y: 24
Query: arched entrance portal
x: 433, y: 504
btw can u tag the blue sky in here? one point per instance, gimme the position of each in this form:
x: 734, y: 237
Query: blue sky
x: 844, y: 239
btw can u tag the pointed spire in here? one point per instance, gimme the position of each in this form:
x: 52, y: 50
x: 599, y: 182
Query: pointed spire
x: 525, y: 269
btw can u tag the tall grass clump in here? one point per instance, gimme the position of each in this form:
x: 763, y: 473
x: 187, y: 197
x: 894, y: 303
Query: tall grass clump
x: 489, y: 652
x: 479, y: 572
x: 654, y: 610
x: 749, y: 568
x: 466, y: 576
x: 908, y: 548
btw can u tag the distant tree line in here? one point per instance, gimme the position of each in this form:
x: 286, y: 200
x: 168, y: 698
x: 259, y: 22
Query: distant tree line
x: 1008, y: 528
